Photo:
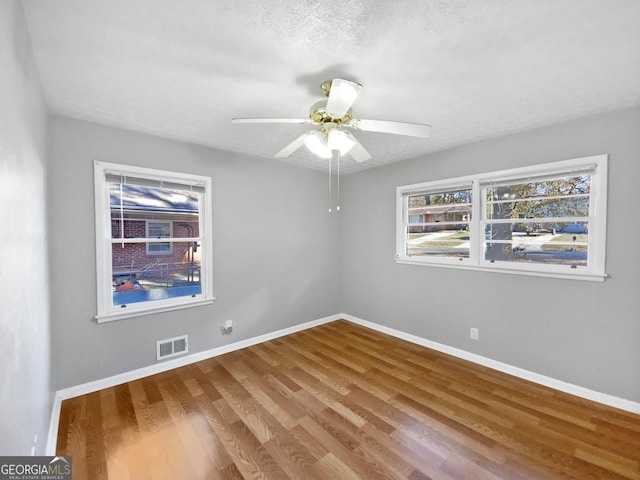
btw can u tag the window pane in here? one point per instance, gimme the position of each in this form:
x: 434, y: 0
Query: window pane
x: 546, y: 243
x: 438, y: 223
x: 560, y: 197
x: 166, y: 212
x: 534, y: 221
x: 140, y: 277
x: 163, y: 248
x: 561, y: 186
x: 443, y: 243
x: 158, y: 229
x: 433, y: 212
x: 574, y: 206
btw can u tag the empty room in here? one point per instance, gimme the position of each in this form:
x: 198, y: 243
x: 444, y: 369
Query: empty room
x: 319, y: 239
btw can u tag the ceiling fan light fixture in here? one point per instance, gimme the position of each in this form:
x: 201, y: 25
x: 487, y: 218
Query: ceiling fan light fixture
x: 339, y: 140
x: 342, y: 94
x: 316, y: 143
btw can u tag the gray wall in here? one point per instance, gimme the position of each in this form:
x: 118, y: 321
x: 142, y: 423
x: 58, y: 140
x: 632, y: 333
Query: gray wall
x: 274, y: 250
x: 25, y: 393
x: 579, y: 332
x: 280, y: 259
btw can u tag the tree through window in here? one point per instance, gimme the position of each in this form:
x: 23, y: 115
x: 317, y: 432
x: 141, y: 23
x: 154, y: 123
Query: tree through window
x: 541, y: 221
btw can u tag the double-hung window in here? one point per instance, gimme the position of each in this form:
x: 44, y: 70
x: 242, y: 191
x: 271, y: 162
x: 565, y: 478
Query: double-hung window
x: 547, y: 220
x: 153, y: 237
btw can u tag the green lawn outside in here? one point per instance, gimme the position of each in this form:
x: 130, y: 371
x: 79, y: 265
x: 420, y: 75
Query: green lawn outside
x: 449, y: 240
x: 565, y: 243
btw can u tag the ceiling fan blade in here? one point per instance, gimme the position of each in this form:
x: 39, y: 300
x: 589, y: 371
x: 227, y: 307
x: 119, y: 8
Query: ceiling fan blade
x: 396, y: 128
x: 292, y: 147
x: 358, y: 152
x: 341, y: 96
x: 270, y: 120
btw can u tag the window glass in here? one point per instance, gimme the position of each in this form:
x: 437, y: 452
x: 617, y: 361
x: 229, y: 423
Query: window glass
x: 538, y: 221
x: 154, y: 277
x: 153, y: 270
x: 438, y: 223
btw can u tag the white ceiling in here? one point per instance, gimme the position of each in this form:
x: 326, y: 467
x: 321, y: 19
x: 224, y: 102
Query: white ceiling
x: 474, y: 69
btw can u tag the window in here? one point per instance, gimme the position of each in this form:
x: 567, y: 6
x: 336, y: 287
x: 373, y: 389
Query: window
x: 438, y: 222
x: 159, y: 229
x: 152, y: 240
x: 546, y: 220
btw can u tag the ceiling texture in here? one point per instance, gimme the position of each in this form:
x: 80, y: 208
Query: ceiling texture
x: 473, y: 69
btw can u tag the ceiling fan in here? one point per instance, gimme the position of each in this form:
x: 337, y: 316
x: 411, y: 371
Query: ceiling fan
x: 333, y: 116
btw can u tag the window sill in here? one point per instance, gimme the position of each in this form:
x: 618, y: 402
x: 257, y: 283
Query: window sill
x: 581, y: 276
x: 113, y: 316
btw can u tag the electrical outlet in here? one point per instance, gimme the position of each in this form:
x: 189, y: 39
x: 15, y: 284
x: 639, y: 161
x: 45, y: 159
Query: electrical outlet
x: 227, y: 328
x: 474, y: 334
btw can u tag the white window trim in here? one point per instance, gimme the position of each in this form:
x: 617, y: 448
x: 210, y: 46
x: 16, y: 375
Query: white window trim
x: 170, y: 240
x: 106, y: 312
x: 594, y: 271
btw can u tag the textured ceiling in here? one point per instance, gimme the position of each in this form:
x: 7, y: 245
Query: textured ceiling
x: 474, y: 69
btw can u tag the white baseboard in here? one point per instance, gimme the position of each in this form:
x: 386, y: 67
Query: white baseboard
x: 54, y: 421
x: 570, y: 388
x: 112, y: 381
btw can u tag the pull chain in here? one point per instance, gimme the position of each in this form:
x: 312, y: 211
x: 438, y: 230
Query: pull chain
x: 338, y: 184
x: 337, y: 181
x: 330, y: 192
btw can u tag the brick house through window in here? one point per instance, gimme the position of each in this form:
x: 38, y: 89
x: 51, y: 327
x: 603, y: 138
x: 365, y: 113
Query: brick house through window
x: 154, y: 213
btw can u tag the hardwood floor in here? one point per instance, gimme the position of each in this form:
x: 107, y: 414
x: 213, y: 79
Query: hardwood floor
x: 340, y: 401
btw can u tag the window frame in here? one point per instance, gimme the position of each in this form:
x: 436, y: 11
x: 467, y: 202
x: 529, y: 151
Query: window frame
x: 593, y: 271
x: 106, y: 311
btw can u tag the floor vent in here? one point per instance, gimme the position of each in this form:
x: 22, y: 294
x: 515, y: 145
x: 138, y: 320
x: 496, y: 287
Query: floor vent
x: 172, y: 347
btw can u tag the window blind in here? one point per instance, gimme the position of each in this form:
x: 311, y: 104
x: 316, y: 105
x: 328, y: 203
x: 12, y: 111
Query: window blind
x: 149, y: 181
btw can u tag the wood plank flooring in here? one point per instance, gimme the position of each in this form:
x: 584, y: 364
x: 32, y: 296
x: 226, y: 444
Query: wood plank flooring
x: 340, y: 401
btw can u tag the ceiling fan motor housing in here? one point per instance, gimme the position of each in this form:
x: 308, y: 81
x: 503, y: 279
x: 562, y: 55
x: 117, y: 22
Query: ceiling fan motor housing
x: 318, y: 114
